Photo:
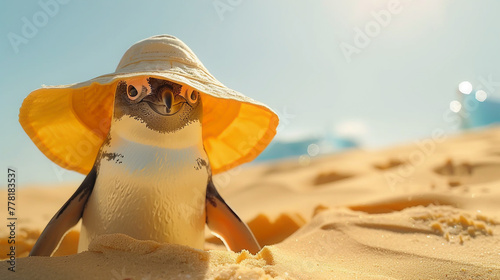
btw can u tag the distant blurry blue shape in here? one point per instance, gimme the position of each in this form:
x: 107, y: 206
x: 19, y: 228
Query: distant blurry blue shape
x: 283, y: 149
x: 478, y: 114
x: 345, y: 143
x: 279, y: 149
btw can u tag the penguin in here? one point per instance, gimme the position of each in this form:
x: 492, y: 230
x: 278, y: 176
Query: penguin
x: 151, y: 178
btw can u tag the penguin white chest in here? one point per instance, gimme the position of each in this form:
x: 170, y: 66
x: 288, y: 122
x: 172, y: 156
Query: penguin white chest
x: 148, y: 193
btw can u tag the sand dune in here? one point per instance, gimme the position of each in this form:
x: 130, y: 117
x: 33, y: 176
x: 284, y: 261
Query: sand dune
x: 427, y: 210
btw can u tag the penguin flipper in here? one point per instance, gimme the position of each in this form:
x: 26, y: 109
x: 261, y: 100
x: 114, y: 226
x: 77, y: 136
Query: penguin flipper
x: 224, y: 223
x: 68, y: 216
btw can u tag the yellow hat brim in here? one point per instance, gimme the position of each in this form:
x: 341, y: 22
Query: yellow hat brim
x: 70, y: 123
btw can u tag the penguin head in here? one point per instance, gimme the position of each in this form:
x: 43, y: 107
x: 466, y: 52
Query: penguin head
x: 146, y: 106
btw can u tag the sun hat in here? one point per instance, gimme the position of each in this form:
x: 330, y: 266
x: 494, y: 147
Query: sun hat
x: 69, y: 123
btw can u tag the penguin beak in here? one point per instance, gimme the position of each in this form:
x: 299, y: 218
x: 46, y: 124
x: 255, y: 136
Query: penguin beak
x: 167, y: 97
x: 165, y: 101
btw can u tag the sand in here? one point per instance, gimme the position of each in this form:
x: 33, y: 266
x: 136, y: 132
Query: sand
x: 426, y: 210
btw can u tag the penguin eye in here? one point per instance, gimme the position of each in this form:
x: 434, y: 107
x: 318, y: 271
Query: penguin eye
x: 193, y: 97
x: 132, y: 92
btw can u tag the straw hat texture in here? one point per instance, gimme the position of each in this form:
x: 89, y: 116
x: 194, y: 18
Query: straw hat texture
x: 69, y: 123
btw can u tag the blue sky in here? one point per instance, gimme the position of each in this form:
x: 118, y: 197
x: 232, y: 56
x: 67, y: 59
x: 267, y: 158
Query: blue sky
x: 383, y: 71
